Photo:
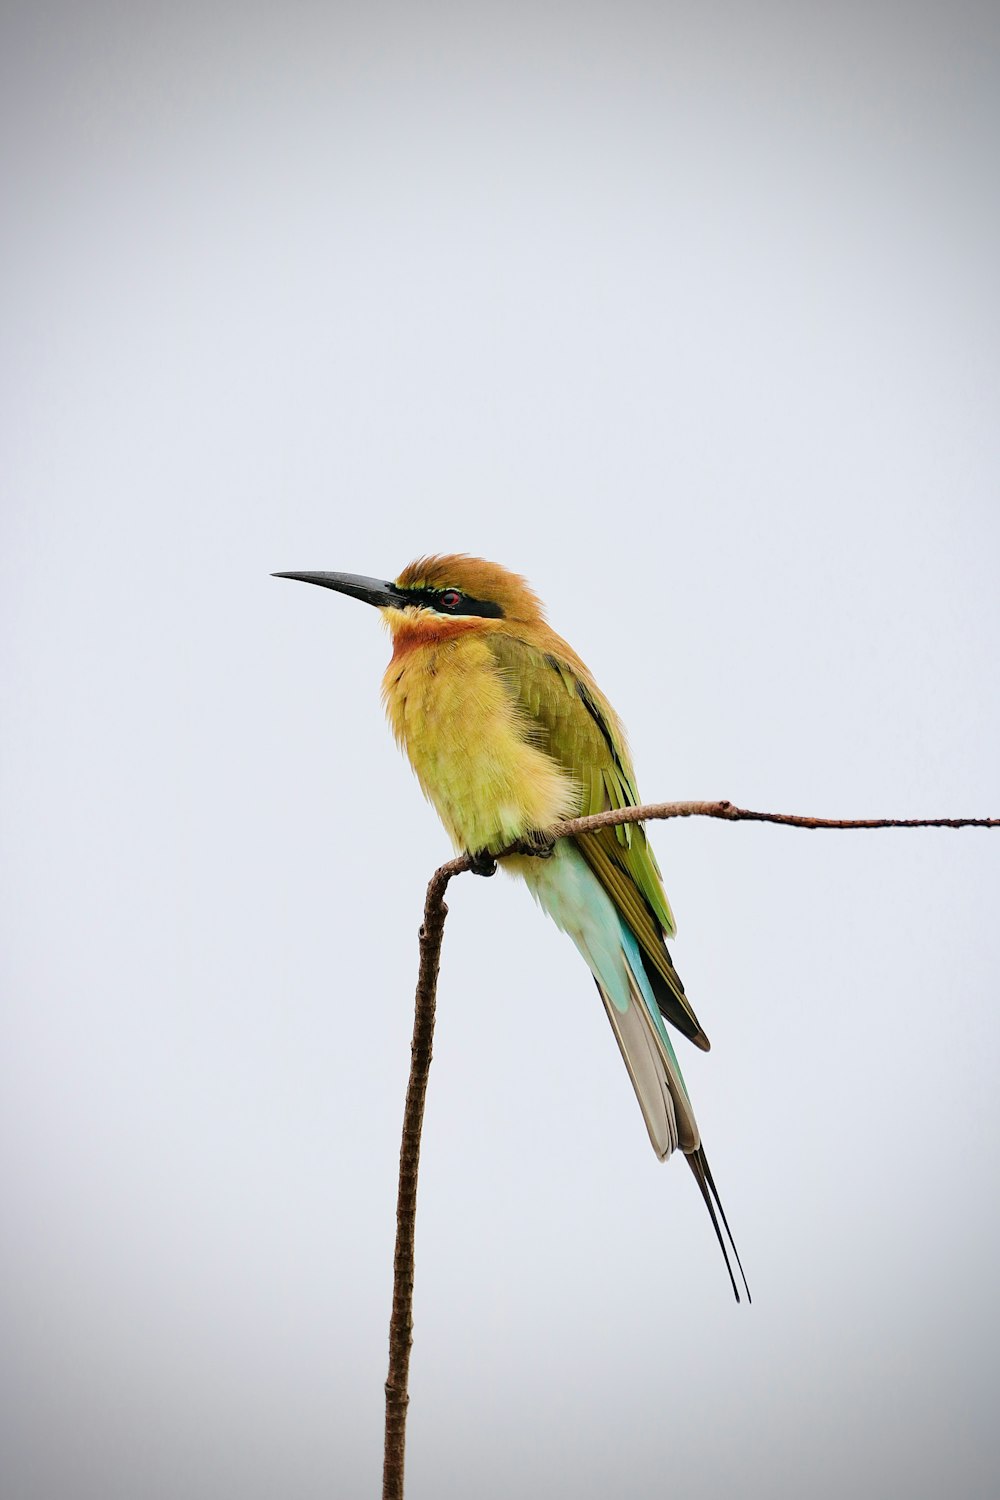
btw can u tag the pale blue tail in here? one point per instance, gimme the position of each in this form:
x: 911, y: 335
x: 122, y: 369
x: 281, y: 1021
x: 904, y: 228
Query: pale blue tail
x: 567, y: 889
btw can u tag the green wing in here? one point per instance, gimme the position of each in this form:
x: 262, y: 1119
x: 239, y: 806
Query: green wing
x: 578, y: 728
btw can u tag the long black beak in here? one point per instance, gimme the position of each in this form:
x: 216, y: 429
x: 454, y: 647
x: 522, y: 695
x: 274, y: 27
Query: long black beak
x: 370, y: 590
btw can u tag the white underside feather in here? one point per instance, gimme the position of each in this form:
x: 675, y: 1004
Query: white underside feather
x: 661, y: 1095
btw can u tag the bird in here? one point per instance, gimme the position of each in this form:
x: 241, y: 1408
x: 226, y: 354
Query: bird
x: 509, y: 734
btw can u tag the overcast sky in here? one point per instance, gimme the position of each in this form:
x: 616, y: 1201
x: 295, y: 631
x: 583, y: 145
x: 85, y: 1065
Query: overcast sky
x: 691, y: 314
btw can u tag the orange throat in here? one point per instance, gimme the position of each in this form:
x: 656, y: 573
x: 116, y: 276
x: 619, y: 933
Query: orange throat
x: 409, y: 634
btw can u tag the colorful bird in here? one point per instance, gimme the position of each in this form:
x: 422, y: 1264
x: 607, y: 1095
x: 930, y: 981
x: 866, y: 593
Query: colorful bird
x: 508, y: 733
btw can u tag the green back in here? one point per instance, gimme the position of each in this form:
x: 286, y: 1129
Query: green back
x: 576, y: 726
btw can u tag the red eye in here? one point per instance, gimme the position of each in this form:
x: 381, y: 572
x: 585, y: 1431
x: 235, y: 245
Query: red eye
x: 450, y: 599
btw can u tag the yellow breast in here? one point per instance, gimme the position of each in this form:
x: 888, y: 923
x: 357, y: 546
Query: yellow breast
x: 469, y: 742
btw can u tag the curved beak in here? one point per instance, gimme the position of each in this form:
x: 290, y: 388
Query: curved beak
x: 370, y: 590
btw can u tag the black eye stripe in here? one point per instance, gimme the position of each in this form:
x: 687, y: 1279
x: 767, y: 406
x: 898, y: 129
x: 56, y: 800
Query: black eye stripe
x: 463, y: 604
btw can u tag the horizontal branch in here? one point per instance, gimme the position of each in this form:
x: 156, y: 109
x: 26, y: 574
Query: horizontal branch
x: 727, y: 811
x: 733, y: 814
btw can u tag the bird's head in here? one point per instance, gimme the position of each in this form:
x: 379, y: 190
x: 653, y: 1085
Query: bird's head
x: 434, y: 589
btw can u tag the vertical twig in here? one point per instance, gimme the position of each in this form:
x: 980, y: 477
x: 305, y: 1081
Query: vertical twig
x: 421, y: 1049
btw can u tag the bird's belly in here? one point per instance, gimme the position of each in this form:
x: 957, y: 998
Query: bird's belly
x: 470, y: 746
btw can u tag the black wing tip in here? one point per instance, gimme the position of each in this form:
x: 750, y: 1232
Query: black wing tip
x: 673, y: 1004
x: 698, y: 1162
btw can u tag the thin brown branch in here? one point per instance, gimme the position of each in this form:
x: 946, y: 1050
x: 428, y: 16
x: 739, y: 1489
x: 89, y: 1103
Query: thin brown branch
x: 733, y: 814
x: 401, y: 1320
x: 431, y: 937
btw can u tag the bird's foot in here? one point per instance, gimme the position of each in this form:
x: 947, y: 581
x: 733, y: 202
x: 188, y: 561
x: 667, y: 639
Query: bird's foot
x: 538, y: 845
x: 481, y: 862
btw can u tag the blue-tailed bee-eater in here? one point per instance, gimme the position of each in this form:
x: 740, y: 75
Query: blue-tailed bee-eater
x: 508, y: 733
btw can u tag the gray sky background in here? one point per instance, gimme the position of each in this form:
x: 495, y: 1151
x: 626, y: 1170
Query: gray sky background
x: 689, y: 313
